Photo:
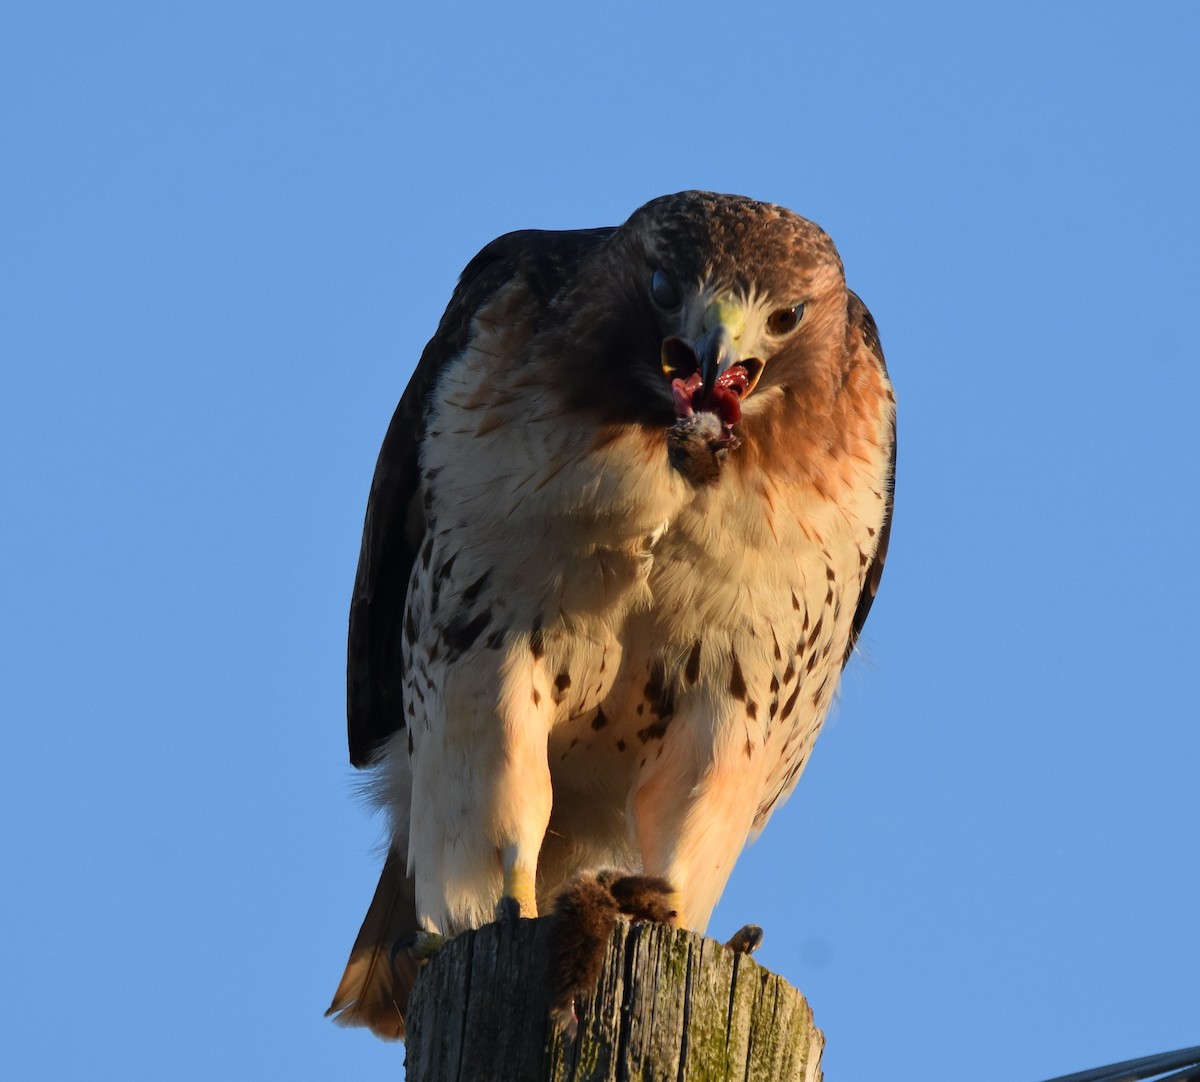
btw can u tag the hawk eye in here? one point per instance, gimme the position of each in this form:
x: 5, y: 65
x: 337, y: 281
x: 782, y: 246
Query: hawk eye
x: 663, y: 290
x: 784, y: 320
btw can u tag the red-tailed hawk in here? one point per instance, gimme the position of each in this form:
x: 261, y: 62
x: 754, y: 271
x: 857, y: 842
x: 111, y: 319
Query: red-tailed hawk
x: 626, y: 525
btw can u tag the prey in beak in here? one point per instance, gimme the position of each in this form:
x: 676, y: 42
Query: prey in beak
x: 708, y: 380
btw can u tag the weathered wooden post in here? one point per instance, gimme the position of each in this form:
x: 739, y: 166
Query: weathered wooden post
x: 670, y: 1004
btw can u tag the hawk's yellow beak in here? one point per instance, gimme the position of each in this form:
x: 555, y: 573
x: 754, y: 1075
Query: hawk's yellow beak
x: 717, y: 350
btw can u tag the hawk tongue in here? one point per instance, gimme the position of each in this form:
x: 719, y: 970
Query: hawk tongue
x: 684, y: 392
x: 724, y: 398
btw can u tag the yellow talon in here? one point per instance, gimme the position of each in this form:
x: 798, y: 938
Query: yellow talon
x: 520, y: 885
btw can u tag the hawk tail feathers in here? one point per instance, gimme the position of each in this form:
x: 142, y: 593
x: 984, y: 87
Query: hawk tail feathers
x: 374, y: 990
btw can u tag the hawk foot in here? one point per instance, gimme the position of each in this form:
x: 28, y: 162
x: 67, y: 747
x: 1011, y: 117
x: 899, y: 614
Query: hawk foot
x: 420, y: 944
x: 520, y: 894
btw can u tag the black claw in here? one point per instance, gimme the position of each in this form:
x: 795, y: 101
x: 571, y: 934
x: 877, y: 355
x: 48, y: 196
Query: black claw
x: 508, y: 911
x: 405, y: 943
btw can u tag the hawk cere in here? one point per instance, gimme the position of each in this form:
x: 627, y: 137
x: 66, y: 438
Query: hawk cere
x: 626, y: 524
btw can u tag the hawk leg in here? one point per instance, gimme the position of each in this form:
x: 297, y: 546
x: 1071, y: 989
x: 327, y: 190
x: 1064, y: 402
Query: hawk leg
x: 483, y: 843
x: 691, y: 820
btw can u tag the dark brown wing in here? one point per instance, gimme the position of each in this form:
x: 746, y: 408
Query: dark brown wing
x: 861, y: 317
x: 395, y: 522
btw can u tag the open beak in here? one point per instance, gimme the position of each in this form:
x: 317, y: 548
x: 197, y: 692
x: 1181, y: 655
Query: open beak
x: 714, y: 352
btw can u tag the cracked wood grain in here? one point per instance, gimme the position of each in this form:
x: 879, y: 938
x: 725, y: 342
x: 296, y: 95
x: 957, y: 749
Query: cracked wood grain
x: 670, y: 1006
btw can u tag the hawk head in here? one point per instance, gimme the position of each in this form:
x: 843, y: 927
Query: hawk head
x: 694, y: 305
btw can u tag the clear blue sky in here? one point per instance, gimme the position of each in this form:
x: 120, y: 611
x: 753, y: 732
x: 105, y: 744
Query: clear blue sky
x: 227, y: 231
